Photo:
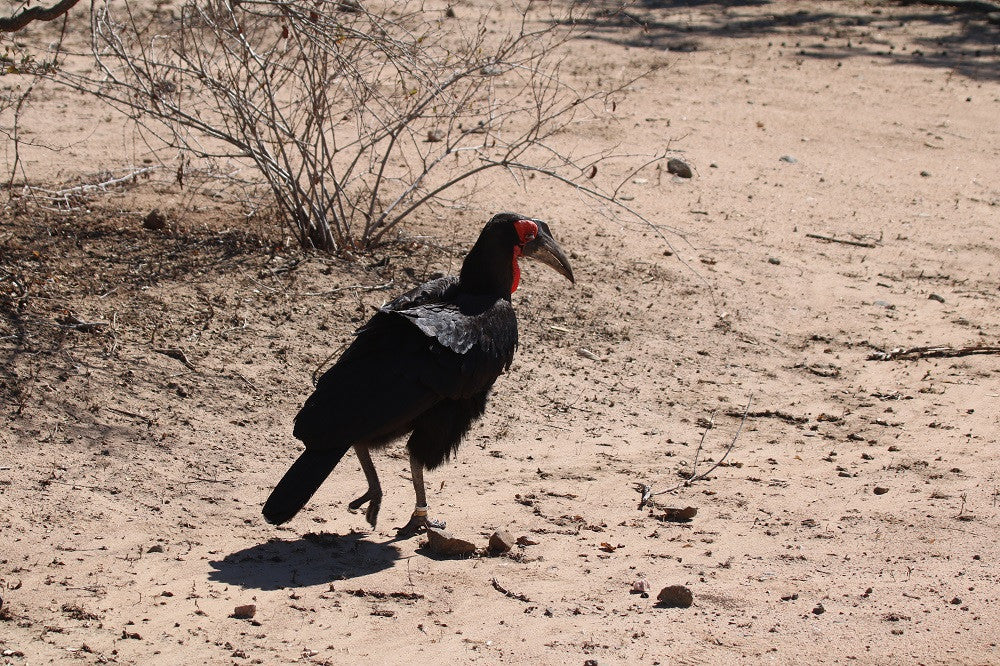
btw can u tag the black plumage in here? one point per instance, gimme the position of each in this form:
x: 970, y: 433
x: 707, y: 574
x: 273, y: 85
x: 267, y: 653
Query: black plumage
x: 424, y: 364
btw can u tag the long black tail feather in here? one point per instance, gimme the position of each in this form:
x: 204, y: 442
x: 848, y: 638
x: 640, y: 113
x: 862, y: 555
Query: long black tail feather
x: 299, y: 483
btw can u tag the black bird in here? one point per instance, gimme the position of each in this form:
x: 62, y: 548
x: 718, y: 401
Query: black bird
x: 424, y: 364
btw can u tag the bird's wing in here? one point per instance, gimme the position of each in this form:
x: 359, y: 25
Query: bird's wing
x: 402, y: 363
x: 433, y: 291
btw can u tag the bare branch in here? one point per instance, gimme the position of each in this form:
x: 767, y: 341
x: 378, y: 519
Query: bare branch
x: 26, y: 16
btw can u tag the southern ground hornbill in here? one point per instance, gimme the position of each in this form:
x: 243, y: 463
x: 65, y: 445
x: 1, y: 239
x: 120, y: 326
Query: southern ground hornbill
x: 423, y: 365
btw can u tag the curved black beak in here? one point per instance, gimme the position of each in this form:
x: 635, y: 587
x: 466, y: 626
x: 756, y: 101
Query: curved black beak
x: 545, y: 249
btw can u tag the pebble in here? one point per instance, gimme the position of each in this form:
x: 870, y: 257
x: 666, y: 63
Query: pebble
x: 679, y: 168
x: 925, y: 174
x: 501, y: 541
x: 774, y: 260
x: 935, y: 297
x: 675, y: 596
x: 245, y: 612
x: 443, y: 542
x: 788, y: 158
x: 880, y: 490
x: 641, y: 587
x: 155, y: 548
x: 675, y: 515
x: 819, y: 610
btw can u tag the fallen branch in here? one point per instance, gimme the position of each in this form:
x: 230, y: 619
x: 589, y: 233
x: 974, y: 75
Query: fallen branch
x: 77, y: 324
x: 967, y: 5
x: 831, y: 239
x: 354, y: 287
x: 938, y: 351
x: 507, y: 593
x: 18, y: 21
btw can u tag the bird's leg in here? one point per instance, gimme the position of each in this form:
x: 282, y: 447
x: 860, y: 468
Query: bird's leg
x: 419, y: 519
x: 374, y: 494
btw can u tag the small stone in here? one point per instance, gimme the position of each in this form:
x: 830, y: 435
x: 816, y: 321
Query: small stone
x: 880, y: 490
x: 526, y: 541
x: 679, y: 168
x: 435, y: 135
x: 956, y: 601
x: 925, y: 174
x: 155, y: 548
x: 675, y: 596
x: 819, y: 610
x: 245, y: 612
x: 443, y: 543
x: 788, y: 158
x: 774, y: 260
x: 641, y: 587
x: 154, y: 220
x: 675, y: 515
x: 501, y: 541
x: 935, y: 297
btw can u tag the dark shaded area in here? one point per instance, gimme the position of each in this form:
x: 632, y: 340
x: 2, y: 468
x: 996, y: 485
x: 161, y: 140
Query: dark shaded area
x: 50, y: 265
x: 968, y: 40
x: 313, y: 559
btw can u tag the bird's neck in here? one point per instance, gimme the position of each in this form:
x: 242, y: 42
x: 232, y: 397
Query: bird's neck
x: 489, y: 269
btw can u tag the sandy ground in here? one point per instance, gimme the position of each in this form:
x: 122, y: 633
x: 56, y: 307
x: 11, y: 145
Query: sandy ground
x: 130, y: 484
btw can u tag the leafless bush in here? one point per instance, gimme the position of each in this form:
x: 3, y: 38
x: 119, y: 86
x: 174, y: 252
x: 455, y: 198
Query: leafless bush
x: 355, y: 115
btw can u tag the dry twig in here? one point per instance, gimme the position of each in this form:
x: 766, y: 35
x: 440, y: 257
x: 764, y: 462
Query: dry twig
x: 831, y: 239
x: 507, y: 593
x: 647, y: 490
x: 937, y: 351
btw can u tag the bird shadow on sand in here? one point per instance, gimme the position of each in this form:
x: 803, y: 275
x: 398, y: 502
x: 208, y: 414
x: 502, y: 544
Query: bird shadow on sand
x: 312, y: 559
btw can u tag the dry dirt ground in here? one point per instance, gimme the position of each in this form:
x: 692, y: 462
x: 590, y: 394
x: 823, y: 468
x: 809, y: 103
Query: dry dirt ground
x: 131, y: 483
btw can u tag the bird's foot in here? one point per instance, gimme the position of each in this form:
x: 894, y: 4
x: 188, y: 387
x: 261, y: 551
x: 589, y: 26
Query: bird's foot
x: 419, y: 522
x: 374, y: 500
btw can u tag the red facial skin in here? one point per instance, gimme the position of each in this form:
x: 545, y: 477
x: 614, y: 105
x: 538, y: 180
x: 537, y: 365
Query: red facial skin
x: 527, y: 231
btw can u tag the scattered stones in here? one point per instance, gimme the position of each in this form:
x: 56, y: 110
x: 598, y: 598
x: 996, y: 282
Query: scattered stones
x: 679, y: 168
x: 788, y: 158
x: 154, y: 220
x: 501, y: 541
x: 790, y: 597
x: 675, y: 596
x: 245, y: 612
x: 880, y: 490
x: 641, y: 587
x: 443, y: 542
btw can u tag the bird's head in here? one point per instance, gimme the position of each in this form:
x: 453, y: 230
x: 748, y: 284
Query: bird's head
x: 491, y: 265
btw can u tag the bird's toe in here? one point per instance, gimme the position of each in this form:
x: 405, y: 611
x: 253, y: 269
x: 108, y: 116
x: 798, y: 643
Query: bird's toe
x: 373, y: 508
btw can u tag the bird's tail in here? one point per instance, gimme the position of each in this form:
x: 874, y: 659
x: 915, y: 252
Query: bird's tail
x: 299, y: 483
